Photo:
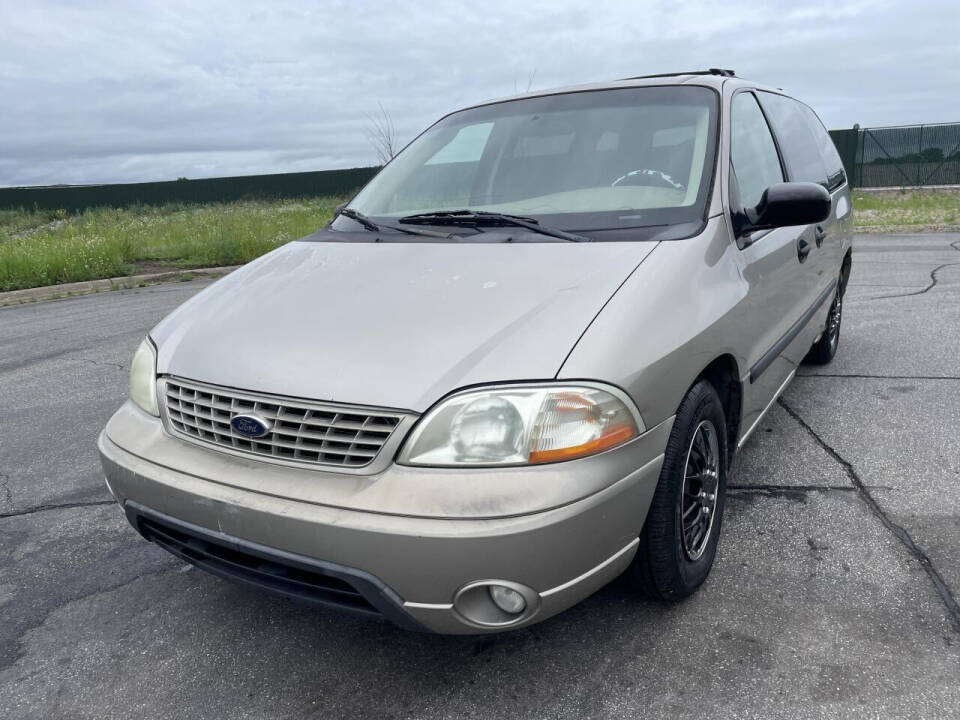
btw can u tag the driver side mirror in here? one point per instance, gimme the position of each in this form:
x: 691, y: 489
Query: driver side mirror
x: 785, y: 204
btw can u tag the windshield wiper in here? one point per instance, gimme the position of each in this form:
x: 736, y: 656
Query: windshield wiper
x: 478, y: 218
x: 375, y: 227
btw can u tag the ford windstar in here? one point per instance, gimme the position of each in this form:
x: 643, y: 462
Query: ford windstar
x: 516, y: 365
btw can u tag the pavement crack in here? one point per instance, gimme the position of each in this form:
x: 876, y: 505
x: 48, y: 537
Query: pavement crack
x: 879, y: 377
x: 7, y: 494
x: 791, y: 488
x: 933, y: 278
x: 796, y: 493
x: 62, y: 506
x: 32, y: 605
x: 939, y: 584
x: 98, y: 362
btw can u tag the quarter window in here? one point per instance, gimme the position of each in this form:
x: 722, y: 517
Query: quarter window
x: 800, y: 147
x: 828, y: 151
x: 756, y: 165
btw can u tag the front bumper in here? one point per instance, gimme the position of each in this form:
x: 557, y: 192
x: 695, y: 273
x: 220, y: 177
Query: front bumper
x: 297, y: 577
x: 405, y: 568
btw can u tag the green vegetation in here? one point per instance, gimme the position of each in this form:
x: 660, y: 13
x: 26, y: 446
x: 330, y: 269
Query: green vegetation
x: 13, y: 222
x: 906, y: 210
x: 51, y: 247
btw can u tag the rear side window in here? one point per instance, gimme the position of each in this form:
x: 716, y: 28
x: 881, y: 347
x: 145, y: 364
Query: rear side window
x: 753, y: 154
x: 828, y: 151
x: 800, y: 147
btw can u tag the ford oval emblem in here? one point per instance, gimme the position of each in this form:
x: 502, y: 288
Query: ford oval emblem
x: 251, y: 426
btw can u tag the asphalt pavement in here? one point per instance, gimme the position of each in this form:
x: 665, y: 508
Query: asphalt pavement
x: 834, y: 594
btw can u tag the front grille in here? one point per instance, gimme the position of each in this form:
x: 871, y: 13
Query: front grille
x: 300, y: 431
x: 272, y: 574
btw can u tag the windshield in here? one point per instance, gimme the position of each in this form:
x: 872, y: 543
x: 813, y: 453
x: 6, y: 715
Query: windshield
x: 580, y: 161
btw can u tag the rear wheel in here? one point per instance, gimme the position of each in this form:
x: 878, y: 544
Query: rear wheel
x: 825, y: 348
x: 679, y: 538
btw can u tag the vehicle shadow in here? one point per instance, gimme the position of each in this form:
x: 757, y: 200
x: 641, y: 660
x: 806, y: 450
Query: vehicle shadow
x: 367, y: 667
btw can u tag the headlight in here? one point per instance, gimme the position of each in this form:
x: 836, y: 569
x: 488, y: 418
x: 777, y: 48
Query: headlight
x: 521, y: 425
x: 143, y: 377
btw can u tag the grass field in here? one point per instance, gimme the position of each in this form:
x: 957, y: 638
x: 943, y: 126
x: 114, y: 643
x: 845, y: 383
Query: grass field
x: 52, y: 247
x: 46, y: 248
x: 906, y: 210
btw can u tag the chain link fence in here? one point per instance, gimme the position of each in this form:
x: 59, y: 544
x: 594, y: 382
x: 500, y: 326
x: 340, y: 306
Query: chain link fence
x: 902, y: 156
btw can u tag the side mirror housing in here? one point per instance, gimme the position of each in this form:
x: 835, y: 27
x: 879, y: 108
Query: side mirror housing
x: 785, y: 204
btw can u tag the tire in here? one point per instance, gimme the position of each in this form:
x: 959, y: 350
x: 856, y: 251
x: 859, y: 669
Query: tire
x: 669, y: 566
x: 825, y: 348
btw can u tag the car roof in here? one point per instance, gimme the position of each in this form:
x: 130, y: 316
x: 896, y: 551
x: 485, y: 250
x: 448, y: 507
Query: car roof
x: 711, y: 78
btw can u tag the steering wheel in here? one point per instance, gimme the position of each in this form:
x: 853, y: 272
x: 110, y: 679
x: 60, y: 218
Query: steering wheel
x: 659, y: 178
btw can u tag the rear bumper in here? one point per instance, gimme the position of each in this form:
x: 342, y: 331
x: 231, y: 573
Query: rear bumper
x: 406, y: 569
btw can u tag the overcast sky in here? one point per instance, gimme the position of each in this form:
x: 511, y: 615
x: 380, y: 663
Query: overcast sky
x: 130, y: 91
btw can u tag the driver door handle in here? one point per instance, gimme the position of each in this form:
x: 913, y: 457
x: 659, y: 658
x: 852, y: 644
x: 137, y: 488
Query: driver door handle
x: 803, y: 248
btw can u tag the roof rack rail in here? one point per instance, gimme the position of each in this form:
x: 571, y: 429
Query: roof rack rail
x: 722, y: 72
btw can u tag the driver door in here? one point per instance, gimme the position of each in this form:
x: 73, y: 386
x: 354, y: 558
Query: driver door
x: 769, y: 262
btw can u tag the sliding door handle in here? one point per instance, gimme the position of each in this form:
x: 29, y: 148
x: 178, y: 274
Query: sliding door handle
x: 819, y: 235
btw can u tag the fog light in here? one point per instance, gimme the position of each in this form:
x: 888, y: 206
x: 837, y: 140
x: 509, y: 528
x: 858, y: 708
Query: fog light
x: 507, y: 599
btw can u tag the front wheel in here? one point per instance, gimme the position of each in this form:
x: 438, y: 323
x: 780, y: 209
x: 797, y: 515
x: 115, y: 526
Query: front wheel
x: 679, y: 539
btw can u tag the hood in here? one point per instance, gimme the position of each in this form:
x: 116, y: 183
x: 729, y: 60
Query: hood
x: 394, y: 325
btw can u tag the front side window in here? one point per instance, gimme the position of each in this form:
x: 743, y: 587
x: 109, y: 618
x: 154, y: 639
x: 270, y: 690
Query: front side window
x: 800, y: 148
x: 753, y: 154
x: 606, y: 159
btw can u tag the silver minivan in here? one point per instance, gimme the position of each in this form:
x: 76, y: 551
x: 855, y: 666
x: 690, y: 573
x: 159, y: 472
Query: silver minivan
x: 516, y: 365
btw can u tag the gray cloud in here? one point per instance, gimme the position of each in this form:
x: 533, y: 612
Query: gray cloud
x: 112, y: 91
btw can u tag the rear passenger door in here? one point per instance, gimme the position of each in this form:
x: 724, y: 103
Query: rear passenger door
x: 838, y: 227
x: 769, y: 261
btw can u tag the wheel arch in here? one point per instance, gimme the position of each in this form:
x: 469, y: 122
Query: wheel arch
x: 845, y: 267
x: 723, y: 373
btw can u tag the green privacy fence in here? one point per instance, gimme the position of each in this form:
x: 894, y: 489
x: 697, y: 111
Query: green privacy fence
x: 288, y: 185
x: 901, y: 156
x: 907, y: 155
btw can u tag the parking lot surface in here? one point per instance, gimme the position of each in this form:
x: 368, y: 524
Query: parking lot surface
x: 834, y: 594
